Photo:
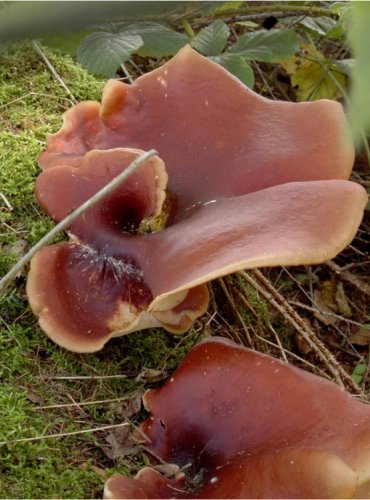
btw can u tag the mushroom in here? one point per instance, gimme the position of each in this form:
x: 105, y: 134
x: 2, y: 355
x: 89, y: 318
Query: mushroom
x: 251, y: 182
x: 240, y: 424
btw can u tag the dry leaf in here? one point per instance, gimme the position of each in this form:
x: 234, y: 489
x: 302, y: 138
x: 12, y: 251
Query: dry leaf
x: 151, y: 375
x: 121, y: 443
x: 331, y: 299
x: 362, y: 336
x: 128, y: 407
x: 342, y: 301
x: 314, y: 76
x: 325, y: 312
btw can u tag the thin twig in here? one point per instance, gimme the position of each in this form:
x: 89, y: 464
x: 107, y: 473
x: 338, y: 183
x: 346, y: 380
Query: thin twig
x: 6, y: 201
x: 262, y: 11
x: 260, y: 283
x: 84, y: 403
x: 53, y: 70
x: 86, y: 377
x: 63, y: 434
x: 269, y: 326
x: 65, y: 223
x: 256, y: 17
x: 236, y: 310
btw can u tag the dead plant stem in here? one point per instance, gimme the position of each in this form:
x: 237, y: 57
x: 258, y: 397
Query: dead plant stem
x: 262, y: 285
x: 63, y: 434
x: 53, y: 71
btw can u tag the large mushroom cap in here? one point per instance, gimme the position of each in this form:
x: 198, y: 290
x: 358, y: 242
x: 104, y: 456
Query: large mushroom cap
x: 217, y: 137
x: 251, y: 182
x: 244, y: 425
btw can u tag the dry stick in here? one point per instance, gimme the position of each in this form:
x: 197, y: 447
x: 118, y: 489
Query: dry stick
x: 53, y: 71
x: 63, y: 434
x: 65, y: 223
x: 307, y: 333
x: 83, y: 403
x: 85, y: 377
x: 280, y: 304
x: 275, y: 9
x: 232, y: 303
x: 270, y: 327
x: 6, y: 201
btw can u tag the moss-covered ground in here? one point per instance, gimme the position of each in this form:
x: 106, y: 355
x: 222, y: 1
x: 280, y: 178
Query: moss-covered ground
x: 72, y: 466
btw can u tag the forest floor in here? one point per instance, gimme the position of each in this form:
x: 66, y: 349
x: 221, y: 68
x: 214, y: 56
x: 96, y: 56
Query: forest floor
x: 62, y: 414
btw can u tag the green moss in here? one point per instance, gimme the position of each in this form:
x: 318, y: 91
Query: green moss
x: 31, y: 104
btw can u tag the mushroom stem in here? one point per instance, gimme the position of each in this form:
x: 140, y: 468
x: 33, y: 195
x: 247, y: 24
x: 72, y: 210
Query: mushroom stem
x: 67, y: 221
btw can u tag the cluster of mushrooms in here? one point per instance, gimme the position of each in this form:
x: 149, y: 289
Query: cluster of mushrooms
x: 239, y: 182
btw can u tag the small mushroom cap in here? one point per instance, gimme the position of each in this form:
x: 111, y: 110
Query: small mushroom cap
x: 62, y: 189
x: 91, y: 289
x: 107, y: 283
x: 119, y: 486
x: 217, y: 137
x: 250, y: 426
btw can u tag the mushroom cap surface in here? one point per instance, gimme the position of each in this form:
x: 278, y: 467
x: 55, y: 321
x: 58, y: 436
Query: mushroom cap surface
x: 249, y: 182
x: 245, y: 425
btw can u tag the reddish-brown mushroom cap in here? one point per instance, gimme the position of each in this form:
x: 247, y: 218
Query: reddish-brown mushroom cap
x: 107, y: 282
x: 243, y: 425
x: 216, y: 136
x: 92, y: 288
x: 236, y: 201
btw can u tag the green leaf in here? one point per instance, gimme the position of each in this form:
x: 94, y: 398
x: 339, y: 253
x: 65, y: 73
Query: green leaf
x: 358, y: 373
x: 212, y: 40
x: 104, y: 52
x: 360, y: 95
x: 158, y: 39
x: 345, y: 66
x: 266, y: 46
x: 238, y: 67
x: 319, y: 25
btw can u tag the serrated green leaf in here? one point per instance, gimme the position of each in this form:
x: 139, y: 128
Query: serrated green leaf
x: 238, y: 67
x: 102, y: 53
x: 266, y: 46
x: 158, y: 39
x: 212, y: 40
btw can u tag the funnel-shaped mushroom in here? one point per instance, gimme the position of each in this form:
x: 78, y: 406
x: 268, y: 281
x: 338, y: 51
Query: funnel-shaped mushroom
x: 244, y: 425
x: 251, y: 183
